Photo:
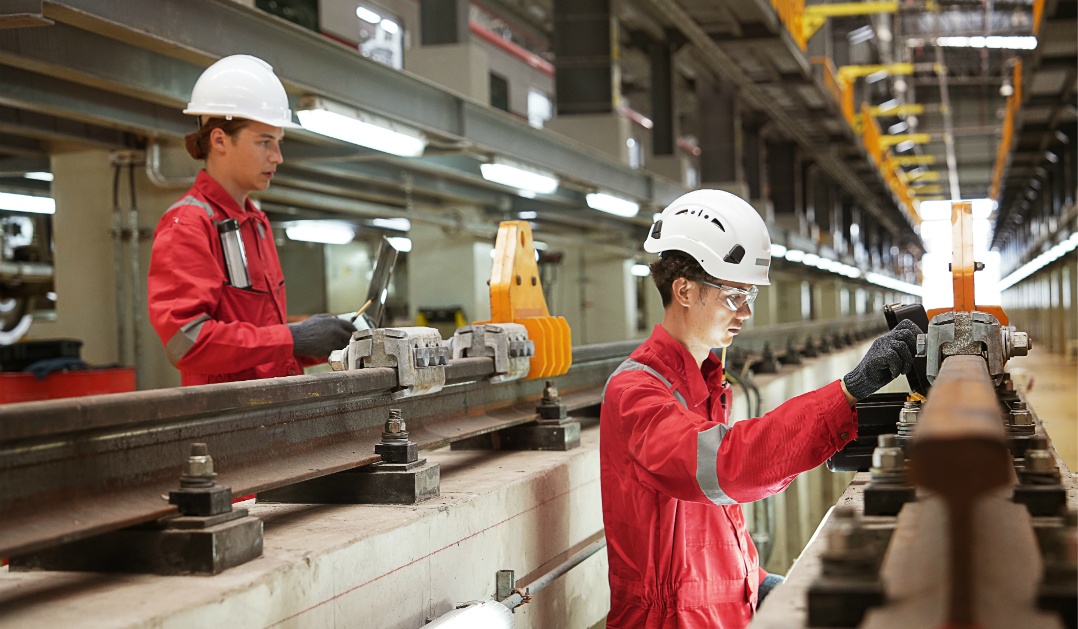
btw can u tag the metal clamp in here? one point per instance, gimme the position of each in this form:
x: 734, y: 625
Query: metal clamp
x: 416, y: 353
x: 507, y: 343
x: 970, y: 333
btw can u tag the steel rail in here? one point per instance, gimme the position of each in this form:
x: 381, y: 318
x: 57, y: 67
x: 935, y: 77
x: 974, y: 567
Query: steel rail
x: 960, y: 452
x: 83, y: 466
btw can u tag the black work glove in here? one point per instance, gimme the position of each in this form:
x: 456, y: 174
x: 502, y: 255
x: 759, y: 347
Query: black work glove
x: 888, y: 357
x: 319, y: 335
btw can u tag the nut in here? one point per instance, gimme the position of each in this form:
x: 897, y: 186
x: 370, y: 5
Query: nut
x: 909, y: 413
x: 891, y: 458
x: 922, y: 345
x: 1020, y: 344
x: 1040, y: 461
x: 338, y: 359
x: 1021, y: 417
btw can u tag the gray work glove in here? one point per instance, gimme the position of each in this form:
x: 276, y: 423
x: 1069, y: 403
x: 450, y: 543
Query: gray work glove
x: 319, y: 335
x: 888, y: 357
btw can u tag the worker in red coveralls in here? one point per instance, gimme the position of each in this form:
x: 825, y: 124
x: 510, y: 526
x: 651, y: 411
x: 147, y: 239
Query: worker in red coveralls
x: 674, y: 469
x: 216, y: 290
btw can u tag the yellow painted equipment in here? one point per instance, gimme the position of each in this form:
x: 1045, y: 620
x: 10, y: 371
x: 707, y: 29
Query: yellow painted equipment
x: 815, y: 16
x: 898, y: 138
x: 898, y: 110
x: 516, y: 296
x: 915, y: 160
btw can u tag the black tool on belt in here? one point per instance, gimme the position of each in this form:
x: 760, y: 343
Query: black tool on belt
x: 235, y: 256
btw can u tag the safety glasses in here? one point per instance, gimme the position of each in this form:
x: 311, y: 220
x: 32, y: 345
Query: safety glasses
x: 732, y: 297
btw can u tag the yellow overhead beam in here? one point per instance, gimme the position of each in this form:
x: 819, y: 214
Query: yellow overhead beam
x: 917, y: 191
x: 890, y: 69
x: 914, y: 160
x: 815, y: 16
x: 898, y: 138
x: 897, y: 110
x: 924, y: 176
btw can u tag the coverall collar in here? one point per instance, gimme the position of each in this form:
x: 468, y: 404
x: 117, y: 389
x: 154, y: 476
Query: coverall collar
x: 221, y: 199
x: 682, y: 366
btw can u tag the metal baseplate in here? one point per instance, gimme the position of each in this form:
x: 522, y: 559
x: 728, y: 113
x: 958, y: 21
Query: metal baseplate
x: 416, y: 353
x: 507, y: 343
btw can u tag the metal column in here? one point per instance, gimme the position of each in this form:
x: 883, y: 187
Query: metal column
x: 586, y: 76
x: 720, y: 131
x: 664, y: 133
x: 444, y: 22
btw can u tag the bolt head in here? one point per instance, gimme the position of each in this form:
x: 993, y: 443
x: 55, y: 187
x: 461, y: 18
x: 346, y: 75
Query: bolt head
x: 922, y: 345
x: 338, y: 359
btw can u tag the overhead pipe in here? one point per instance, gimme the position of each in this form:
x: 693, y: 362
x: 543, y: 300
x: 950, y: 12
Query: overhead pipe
x: 153, y: 170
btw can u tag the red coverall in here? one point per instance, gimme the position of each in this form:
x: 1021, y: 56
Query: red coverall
x: 674, y: 472
x: 212, y: 331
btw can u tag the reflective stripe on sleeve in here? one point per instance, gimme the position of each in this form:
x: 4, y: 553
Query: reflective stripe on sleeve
x: 184, y: 339
x: 707, y: 455
x: 191, y: 200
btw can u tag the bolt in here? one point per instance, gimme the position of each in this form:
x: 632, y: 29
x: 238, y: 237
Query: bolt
x: 198, y: 470
x: 843, y: 534
x: 922, y: 345
x: 1018, y: 405
x: 550, y: 392
x: 395, y: 428
x: 1020, y: 344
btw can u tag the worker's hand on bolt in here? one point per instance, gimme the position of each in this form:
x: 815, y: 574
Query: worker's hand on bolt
x: 319, y: 335
x: 887, y: 358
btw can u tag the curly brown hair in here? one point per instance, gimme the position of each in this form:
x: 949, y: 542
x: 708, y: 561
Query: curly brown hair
x: 672, y: 265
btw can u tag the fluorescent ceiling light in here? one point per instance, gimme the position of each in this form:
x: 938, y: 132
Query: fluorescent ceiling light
x: 390, y: 26
x: 527, y: 215
x: 396, y: 224
x: 350, y: 125
x: 811, y: 259
x: 795, y: 255
x: 898, y: 127
x: 894, y: 284
x: 889, y: 105
x: 904, y: 146
x: 27, y: 203
x: 326, y: 232
x: 612, y: 205
x: 1026, y: 42
x: 519, y: 176
x: 367, y: 15
x: 941, y: 210
x: 778, y: 251
x: 640, y: 270
x: 400, y: 243
x: 43, y: 176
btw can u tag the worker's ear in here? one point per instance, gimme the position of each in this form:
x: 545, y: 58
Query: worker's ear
x: 218, y: 141
x: 679, y: 292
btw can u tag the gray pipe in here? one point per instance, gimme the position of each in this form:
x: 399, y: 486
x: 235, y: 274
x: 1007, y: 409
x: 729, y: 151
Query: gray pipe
x: 516, y: 599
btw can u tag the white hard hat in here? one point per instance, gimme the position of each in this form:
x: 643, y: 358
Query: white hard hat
x: 241, y: 86
x: 724, y: 233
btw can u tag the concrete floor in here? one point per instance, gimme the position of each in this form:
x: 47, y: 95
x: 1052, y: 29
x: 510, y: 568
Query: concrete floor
x: 1050, y: 384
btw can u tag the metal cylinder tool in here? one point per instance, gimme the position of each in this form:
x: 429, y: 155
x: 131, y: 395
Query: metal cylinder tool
x: 235, y: 255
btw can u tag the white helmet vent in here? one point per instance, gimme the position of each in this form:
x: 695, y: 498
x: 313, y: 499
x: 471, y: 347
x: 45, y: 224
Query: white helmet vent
x: 700, y: 213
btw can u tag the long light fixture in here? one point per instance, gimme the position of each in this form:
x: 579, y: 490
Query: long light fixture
x: 344, y: 123
x: 396, y: 224
x: 519, y: 176
x: 612, y: 205
x: 640, y: 270
x: 1034, y: 265
x: 26, y: 203
x: 43, y: 176
x: 1025, y: 42
x: 400, y: 243
x: 325, y: 232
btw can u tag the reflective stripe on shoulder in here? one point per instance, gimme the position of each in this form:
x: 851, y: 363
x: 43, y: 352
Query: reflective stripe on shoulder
x: 191, y: 200
x: 707, y: 456
x: 632, y: 365
x: 184, y: 338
